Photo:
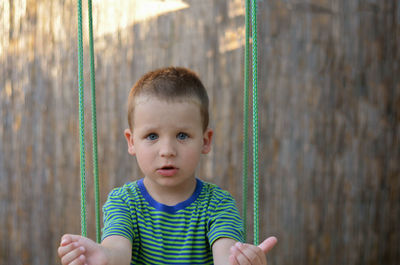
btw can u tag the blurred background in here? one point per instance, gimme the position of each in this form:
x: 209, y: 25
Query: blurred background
x: 329, y: 95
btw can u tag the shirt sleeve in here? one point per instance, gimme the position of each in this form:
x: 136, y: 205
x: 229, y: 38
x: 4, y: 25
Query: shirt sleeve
x: 117, y: 216
x: 225, y: 221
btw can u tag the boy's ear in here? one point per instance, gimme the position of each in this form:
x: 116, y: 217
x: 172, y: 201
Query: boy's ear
x: 207, y: 140
x: 129, y: 139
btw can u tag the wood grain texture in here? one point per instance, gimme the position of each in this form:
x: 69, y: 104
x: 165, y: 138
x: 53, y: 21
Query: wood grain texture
x: 329, y: 117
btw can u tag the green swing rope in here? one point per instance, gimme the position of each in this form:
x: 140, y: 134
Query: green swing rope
x: 94, y: 126
x: 253, y: 13
x: 255, y: 118
x: 82, y: 123
x: 245, y: 119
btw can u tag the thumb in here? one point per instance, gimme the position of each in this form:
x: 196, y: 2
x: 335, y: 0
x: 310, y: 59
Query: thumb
x: 268, y: 244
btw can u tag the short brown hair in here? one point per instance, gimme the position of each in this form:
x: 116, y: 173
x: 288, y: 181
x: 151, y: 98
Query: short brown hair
x: 170, y: 84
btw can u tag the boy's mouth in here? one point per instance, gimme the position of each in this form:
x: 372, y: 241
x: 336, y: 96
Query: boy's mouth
x: 167, y: 171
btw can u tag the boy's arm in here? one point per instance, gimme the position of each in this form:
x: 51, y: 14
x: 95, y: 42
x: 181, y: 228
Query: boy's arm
x: 75, y: 249
x: 228, y: 251
x: 119, y: 250
x: 221, y: 250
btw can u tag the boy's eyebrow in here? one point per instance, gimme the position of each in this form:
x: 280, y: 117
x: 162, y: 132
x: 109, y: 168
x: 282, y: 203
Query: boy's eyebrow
x: 148, y: 128
x: 184, y: 128
x: 153, y: 128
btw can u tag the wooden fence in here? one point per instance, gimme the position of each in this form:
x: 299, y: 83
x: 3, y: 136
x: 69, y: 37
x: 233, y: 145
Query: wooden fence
x: 329, y: 82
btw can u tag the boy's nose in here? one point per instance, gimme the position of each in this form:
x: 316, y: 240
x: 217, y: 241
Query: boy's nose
x: 167, y: 149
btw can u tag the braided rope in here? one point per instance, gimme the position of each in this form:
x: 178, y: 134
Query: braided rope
x: 81, y: 122
x: 255, y: 119
x: 94, y: 126
x: 246, y: 119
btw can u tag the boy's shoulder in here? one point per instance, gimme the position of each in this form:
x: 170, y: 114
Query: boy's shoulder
x: 212, y: 187
x: 128, y: 189
x: 215, y: 192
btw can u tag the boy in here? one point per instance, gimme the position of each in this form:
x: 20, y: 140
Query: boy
x: 169, y: 216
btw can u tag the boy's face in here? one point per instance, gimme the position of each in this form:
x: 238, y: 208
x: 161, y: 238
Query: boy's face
x: 168, y: 139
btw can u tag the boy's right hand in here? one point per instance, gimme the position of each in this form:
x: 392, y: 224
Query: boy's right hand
x: 78, y: 250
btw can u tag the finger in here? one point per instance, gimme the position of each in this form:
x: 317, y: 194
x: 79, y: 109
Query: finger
x: 74, y: 256
x: 62, y: 250
x: 268, y: 244
x: 252, y: 253
x: 240, y: 257
x: 65, y: 240
x: 68, y: 238
x: 233, y: 260
x: 237, y: 256
x: 81, y: 260
x: 75, y: 237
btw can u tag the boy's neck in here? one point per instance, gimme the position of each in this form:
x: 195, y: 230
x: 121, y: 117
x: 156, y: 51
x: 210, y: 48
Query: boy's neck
x: 170, y: 196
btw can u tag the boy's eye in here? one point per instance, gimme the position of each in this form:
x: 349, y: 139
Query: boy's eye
x: 152, y: 137
x: 182, y: 136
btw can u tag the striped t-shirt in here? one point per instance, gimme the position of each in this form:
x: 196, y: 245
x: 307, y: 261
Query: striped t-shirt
x: 180, y: 234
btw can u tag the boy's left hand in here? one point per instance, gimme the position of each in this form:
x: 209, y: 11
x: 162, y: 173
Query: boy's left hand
x: 247, y: 254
